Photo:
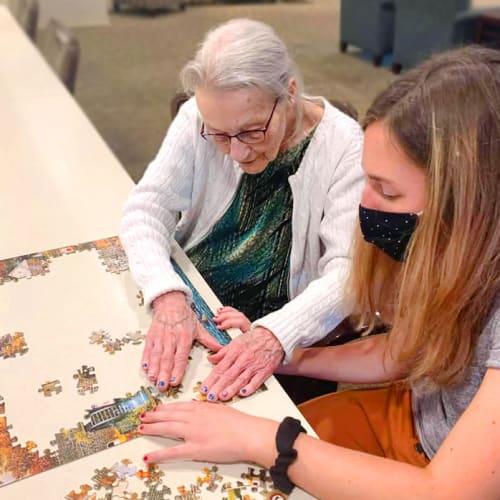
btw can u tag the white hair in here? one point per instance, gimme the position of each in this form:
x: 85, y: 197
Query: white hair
x: 239, y: 54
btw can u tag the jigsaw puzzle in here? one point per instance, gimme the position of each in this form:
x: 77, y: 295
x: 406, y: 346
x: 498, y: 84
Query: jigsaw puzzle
x: 83, y: 339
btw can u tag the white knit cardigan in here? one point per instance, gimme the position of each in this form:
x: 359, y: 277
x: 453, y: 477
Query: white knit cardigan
x: 191, y: 177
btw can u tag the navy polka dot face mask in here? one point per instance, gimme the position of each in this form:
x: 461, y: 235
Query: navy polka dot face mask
x: 389, y: 231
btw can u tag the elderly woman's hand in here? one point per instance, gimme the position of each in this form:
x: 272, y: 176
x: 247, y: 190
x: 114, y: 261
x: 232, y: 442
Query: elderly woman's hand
x: 243, y: 365
x: 212, y: 433
x: 170, y: 338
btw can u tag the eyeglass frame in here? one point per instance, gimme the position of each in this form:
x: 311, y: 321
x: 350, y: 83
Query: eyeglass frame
x: 207, y: 135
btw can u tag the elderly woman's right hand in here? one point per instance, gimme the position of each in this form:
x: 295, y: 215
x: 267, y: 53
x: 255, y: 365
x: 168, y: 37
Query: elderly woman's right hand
x: 170, y: 338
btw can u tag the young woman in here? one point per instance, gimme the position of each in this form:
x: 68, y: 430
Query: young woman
x: 426, y: 261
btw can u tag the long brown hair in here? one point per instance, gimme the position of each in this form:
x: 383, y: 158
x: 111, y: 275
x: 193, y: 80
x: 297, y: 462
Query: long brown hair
x: 445, y: 115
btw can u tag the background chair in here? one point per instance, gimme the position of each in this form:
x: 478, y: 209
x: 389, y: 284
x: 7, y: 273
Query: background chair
x: 26, y: 14
x: 369, y: 25
x: 423, y: 27
x: 61, y: 49
x: 469, y: 27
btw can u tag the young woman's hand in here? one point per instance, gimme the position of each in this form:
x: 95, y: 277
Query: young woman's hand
x: 211, y: 433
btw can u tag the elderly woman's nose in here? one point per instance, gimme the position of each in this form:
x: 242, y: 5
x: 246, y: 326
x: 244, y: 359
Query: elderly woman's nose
x: 238, y: 150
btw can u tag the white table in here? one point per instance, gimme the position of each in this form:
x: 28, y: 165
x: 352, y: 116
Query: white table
x: 61, y: 185
x: 60, y: 182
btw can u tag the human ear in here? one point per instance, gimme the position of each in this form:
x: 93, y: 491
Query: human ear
x: 292, y: 91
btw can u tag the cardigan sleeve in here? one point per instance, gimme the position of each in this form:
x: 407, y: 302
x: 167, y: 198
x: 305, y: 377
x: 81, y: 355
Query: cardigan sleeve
x: 151, y: 212
x: 319, y: 308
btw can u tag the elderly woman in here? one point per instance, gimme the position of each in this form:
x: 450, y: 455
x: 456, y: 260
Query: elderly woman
x: 266, y: 181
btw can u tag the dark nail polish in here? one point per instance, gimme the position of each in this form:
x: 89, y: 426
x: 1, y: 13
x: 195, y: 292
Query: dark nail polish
x: 204, y: 389
x: 145, y: 366
x: 211, y: 397
x: 172, y: 379
x: 141, y: 427
x: 145, y: 458
x: 161, y: 383
x: 143, y: 415
x: 243, y: 391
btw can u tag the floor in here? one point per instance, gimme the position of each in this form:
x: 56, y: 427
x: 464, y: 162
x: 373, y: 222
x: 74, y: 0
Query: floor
x: 129, y: 70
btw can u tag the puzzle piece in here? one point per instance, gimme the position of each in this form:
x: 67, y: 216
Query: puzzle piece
x: 51, y: 387
x: 125, y: 469
x: 87, y: 380
x: 11, y: 345
x: 140, y: 298
x: 156, y: 493
x: 210, y: 477
x: 79, y: 495
x: 99, y: 337
x: 105, y: 478
x: 134, y: 338
x: 152, y: 475
x: 120, y: 490
x: 112, y: 346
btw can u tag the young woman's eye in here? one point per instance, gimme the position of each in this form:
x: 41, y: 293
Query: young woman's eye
x: 388, y: 196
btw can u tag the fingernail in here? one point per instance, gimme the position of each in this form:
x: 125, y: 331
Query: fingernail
x: 211, y: 396
x: 145, y: 458
x: 151, y: 377
x: 172, y: 379
x: 224, y: 394
x: 145, y: 366
x: 204, y: 389
x: 161, y: 383
x: 141, y: 427
x: 143, y: 415
x: 243, y: 391
x: 155, y: 408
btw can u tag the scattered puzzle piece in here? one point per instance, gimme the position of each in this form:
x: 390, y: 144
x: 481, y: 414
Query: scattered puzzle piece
x: 104, y: 478
x: 79, y: 495
x: 51, y: 387
x: 11, y: 345
x: 87, y: 380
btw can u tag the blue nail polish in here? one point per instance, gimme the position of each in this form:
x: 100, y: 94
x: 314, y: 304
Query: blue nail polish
x: 172, y: 379
x: 145, y: 366
x: 211, y: 397
x: 161, y: 383
x: 204, y: 389
x: 243, y: 391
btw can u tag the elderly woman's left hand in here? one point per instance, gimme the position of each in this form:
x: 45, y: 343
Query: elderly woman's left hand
x: 243, y: 365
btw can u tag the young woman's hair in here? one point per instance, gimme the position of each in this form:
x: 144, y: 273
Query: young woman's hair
x: 445, y: 115
x: 240, y: 54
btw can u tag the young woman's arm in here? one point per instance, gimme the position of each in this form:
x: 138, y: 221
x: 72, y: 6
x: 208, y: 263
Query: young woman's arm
x: 467, y: 466
x: 361, y: 362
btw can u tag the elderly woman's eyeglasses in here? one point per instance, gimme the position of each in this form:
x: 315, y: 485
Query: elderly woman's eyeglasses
x: 253, y: 136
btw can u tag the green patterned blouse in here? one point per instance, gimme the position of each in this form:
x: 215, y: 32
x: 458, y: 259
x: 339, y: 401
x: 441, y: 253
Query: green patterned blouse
x: 245, y: 258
